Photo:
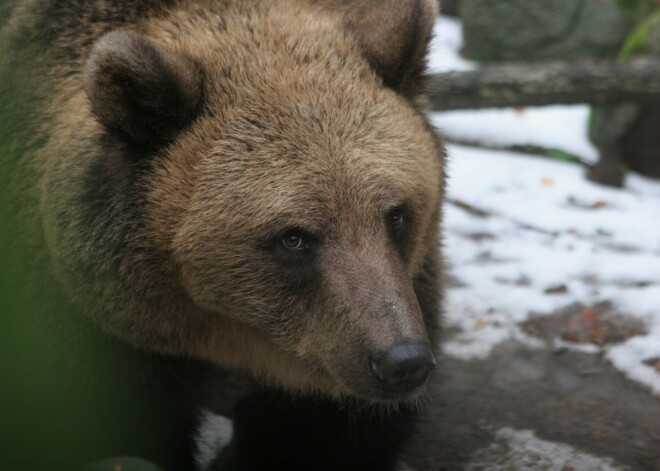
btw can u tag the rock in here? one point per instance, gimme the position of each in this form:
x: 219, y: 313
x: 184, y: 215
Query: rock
x: 548, y: 29
x: 641, y: 143
x: 628, y: 136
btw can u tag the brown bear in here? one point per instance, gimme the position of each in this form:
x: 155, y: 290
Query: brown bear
x: 236, y: 185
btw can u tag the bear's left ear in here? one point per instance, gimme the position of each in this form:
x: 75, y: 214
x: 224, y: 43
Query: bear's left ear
x: 394, y: 36
x: 142, y: 92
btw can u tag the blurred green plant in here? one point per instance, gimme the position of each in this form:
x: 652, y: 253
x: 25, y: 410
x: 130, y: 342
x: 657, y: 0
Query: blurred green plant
x: 52, y: 417
x: 639, y: 39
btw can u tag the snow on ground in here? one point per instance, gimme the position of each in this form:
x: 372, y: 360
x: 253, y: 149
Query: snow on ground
x: 543, y: 225
x: 547, y: 226
x: 535, y: 126
x: 521, y: 450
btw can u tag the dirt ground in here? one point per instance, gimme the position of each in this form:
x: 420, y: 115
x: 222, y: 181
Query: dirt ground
x: 483, y: 408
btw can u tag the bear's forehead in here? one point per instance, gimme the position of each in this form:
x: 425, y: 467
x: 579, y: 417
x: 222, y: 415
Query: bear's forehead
x: 245, y: 27
x: 297, y: 123
x: 304, y: 96
x: 244, y: 43
x: 317, y: 177
x: 323, y: 140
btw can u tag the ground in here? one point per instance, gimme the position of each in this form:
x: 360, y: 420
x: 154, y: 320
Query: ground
x: 552, y: 355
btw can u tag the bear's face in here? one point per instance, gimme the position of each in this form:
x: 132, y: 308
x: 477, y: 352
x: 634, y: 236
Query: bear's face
x: 310, y: 223
x: 293, y: 194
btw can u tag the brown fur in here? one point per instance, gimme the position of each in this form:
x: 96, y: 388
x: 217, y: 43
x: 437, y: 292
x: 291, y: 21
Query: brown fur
x: 312, y: 123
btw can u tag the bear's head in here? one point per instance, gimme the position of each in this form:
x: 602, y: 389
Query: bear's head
x: 262, y: 189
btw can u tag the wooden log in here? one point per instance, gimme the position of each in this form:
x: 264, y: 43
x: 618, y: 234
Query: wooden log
x: 593, y: 82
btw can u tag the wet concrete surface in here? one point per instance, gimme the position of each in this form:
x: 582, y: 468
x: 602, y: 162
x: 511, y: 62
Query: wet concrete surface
x: 564, y: 397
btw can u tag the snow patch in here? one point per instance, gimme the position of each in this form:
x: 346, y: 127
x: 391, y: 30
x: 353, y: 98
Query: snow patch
x: 543, y: 225
x: 521, y: 450
x: 555, y: 127
x: 629, y: 357
x: 213, y: 435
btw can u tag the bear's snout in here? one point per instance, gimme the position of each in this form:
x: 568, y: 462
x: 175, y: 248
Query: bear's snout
x: 404, y: 366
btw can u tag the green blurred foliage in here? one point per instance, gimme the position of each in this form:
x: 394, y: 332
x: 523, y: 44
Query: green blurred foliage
x: 52, y: 415
x: 47, y: 415
x: 639, y: 40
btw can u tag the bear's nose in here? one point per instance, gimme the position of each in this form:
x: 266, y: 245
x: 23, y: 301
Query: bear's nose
x: 404, y: 366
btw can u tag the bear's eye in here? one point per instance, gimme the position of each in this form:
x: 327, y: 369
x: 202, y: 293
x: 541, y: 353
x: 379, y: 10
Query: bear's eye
x: 292, y: 252
x: 396, y: 220
x: 294, y: 240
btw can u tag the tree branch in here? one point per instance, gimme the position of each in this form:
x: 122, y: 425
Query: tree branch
x: 598, y: 83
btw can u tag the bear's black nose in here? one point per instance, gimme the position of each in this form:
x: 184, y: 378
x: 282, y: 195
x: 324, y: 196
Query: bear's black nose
x: 404, y: 366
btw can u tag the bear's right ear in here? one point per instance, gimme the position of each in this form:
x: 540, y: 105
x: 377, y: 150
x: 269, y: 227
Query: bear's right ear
x: 140, y: 91
x: 394, y: 37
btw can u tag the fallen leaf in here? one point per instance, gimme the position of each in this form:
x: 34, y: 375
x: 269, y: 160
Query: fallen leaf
x: 557, y: 289
x: 480, y: 324
x: 589, y: 314
x: 600, y: 324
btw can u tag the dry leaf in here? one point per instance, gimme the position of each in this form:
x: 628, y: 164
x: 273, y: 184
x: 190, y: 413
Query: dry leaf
x: 557, y: 289
x: 480, y: 324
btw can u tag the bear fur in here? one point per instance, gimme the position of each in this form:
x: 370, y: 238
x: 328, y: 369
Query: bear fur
x: 232, y: 186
